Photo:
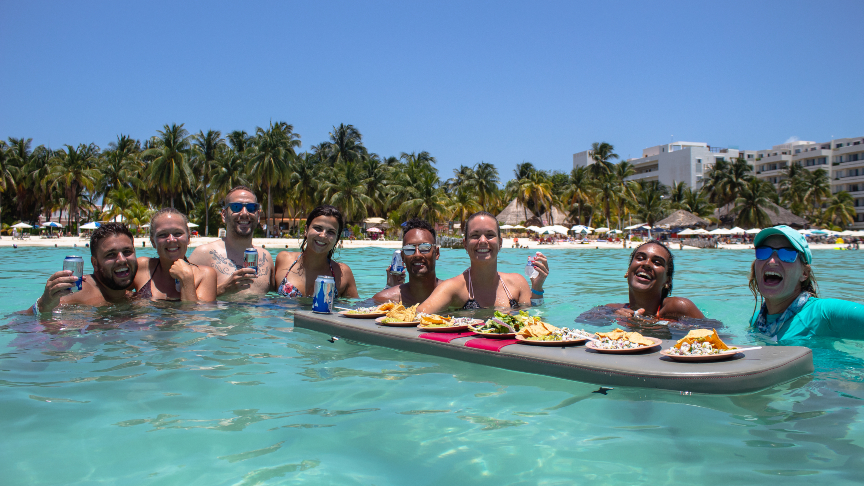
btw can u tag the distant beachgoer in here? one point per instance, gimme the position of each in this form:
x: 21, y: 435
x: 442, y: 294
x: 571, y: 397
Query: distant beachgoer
x: 791, y: 309
x: 298, y: 270
x: 160, y: 276
x: 112, y: 254
x: 482, y: 285
x: 649, y: 281
x: 419, y: 252
x: 241, y: 214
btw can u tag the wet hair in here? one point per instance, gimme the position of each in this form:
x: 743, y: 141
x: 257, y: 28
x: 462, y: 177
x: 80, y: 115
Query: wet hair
x: 235, y: 189
x: 481, y: 213
x: 325, y: 210
x: 168, y: 210
x: 417, y: 223
x: 670, y: 265
x: 808, y: 285
x: 104, y: 231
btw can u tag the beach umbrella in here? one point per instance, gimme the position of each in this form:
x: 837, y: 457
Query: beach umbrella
x: 373, y: 230
x: 192, y: 225
x: 534, y: 229
x: 22, y: 226
x: 700, y: 231
x: 635, y: 226
x: 52, y: 224
x: 820, y: 232
x: 601, y: 230
x: 858, y: 233
x: 506, y: 226
x: 846, y: 233
x: 90, y: 226
x: 737, y: 231
x: 518, y: 226
x: 559, y: 229
x: 720, y: 231
x: 753, y: 231
x: 616, y: 231
x: 687, y: 231
x: 805, y: 232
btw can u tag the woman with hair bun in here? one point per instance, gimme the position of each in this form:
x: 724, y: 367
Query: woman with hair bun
x: 300, y: 269
x: 791, y: 308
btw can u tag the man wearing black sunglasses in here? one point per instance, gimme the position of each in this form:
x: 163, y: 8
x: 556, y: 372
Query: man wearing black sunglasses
x: 241, y: 215
x: 419, y: 253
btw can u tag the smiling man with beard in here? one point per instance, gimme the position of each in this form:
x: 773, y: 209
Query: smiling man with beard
x: 241, y: 214
x: 419, y: 253
x: 112, y: 251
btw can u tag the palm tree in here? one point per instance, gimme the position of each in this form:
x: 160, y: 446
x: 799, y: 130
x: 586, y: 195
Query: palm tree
x: 170, y: 169
x: 461, y: 205
x: 521, y: 186
x: 19, y: 155
x: 426, y: 200
x: 818, y: 189
x: 6, y: 178
x: 677, y: 193
x: 840, y: 210
x: 602, y: 154
x: 649, y: 201
x: 240, y: 141
x: 74, y: 170
x: 121, y: 199
x: 793, y: 188
x: 579, y: 191
x: 206, y: 146
x: 625, y: 193
x: 376, y: 175
x: 486, y: 184
x: 753, y: 200
x: 695, y: 202
x: 463, y: 180
x: 714, y: 178
x: 269, y: 165
x: 607, y: 188
x: 229, y: 171
x: 304, y: 181
x: 346, y: 144
x: 347, y: 191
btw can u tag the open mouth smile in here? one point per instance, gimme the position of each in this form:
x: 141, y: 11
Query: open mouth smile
x: 772, y: 278
x: 122, y: 272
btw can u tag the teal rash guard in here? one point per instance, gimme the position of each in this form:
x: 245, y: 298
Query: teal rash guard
x: 821, y: 317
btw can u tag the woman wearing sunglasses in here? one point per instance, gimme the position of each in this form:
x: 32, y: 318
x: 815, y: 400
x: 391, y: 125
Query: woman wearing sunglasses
x: 298, y: 270
x: 482, y: 285
x: 782, y: 275
x: 170, y: 276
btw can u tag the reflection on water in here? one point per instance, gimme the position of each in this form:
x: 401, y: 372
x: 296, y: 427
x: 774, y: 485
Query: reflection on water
x: 234, y: 394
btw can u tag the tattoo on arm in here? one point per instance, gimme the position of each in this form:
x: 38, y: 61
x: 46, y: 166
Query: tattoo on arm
x: 222, y: 264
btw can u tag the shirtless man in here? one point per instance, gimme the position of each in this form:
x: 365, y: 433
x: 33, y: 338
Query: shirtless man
x: 112, y: 253
x: 419, y: 253
x: 241, y: 215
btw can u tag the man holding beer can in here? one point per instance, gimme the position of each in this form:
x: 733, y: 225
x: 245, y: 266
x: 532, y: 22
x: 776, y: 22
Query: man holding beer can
x: 112, y: 254
x: 241, y: 268
x: 419, y: 254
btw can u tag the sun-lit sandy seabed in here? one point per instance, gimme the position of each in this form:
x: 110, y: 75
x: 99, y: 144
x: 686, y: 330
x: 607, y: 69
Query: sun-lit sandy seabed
x: 232, y: 393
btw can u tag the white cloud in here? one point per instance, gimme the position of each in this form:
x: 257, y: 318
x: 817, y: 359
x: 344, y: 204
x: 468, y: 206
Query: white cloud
x: 792, y: 139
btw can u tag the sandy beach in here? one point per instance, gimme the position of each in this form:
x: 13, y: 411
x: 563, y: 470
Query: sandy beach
x: 282, y: 243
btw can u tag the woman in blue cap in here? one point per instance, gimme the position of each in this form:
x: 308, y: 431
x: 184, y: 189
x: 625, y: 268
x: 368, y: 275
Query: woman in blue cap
x: 791, y: 308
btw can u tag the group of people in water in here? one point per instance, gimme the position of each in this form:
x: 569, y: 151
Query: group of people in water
x: 781, y: 273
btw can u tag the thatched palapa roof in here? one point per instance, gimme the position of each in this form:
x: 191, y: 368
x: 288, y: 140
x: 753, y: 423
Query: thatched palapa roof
x: 681, y: 219
x: 778, y: 215
x: 556, y: 216
x: 514, y: 213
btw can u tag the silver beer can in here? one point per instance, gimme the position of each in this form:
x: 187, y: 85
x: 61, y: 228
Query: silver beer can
x: 76, y: 265
x: 324, y: 295
x: 250, y: 259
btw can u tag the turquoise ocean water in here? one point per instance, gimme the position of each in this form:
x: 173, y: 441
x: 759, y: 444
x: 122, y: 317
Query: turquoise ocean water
x: 233, y: 394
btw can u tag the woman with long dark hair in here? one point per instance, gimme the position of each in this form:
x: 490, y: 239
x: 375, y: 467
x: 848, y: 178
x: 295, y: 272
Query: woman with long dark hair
x: 297, y: 271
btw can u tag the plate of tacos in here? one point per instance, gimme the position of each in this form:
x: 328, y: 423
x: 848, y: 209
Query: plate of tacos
x: 400, y: 316
x: 700, y: 345
x: 369, y: 312
x: 622, y: 342
x: 544, y: 334
x: 436, y: 323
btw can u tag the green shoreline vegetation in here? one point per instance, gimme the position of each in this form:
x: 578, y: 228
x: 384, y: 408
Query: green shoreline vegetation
x: 192, y: 172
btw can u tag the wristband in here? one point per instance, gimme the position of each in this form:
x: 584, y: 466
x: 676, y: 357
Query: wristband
x: 538, y: 292
x: 536, y: 302
x: 36, y: 308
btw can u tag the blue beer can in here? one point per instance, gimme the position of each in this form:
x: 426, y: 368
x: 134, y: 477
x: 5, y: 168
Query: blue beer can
x: 76, y: 265
x: 250, y: 259
x: 325, y: 293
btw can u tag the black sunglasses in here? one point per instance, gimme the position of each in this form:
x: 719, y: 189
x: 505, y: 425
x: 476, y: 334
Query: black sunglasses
x: 237, y: 207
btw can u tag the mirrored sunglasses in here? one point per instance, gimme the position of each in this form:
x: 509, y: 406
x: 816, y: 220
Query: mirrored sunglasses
x: 424, y: 248
x: 237, y: 207
x: 784, y: 254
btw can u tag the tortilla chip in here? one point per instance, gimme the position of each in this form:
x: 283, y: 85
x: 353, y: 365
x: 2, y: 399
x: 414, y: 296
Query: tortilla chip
x: 386, y: 307
x: 633, y: 337
x: 703, y: 335
x: 401, y: 314
x: 434, y: 320
x: 539, y: 329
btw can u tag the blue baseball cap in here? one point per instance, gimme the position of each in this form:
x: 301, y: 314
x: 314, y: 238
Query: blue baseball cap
x: 797, y: 239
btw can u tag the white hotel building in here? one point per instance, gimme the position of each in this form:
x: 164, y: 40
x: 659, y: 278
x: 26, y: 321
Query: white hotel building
x: 843, y: 159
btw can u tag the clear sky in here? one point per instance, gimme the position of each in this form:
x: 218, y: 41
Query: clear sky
x: 468, y: 81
